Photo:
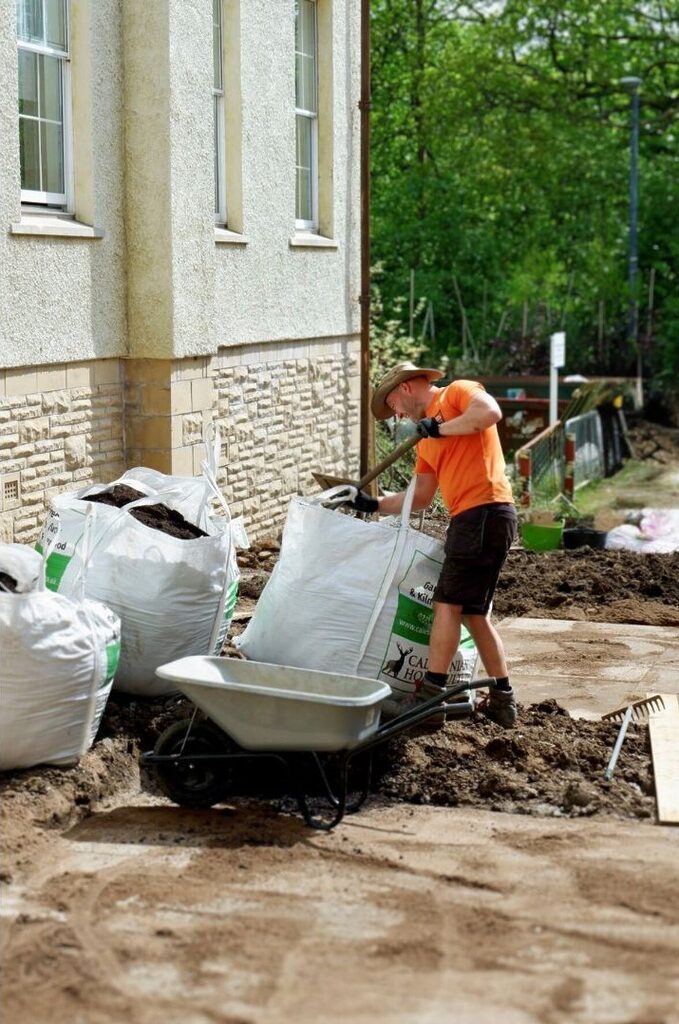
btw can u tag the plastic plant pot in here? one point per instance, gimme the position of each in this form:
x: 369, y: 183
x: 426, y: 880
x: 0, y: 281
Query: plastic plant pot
x: 541, y: 537
x: 584, y: 536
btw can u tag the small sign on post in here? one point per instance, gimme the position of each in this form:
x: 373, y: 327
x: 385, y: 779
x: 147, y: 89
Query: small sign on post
x: 557, y: 358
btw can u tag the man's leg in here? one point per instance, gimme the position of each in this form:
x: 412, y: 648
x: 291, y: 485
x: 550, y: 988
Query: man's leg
x: 488, y: 644
x: 500, y: 704
x: 445, y: 636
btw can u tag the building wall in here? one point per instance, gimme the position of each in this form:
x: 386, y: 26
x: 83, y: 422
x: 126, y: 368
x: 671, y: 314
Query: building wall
x: 254, y: 327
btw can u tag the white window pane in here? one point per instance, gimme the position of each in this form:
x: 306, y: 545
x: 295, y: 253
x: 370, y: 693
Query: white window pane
x: 52, y: 147
x: 304, y: 204
x: 28, y: 83
x: 217, y: 43
x: 304, y: 162
x: 29, y: 21
x: 29, y: 149
x: 305, y: 28
x: 305, y: 82
x: 55, y: 33
x: 216, y: 109
x: 305, y: 56
x: 50, y: 87
x: 304, y: 136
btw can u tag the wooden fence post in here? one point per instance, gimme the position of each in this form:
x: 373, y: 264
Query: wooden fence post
x: 523, y: 458
x: 569, y: 470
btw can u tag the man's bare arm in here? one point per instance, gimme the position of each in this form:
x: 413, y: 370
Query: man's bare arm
x: 481, y: 413
x: 425, y: 489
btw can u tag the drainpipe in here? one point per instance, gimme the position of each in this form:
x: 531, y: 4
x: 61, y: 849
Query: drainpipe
x: 364, y: 106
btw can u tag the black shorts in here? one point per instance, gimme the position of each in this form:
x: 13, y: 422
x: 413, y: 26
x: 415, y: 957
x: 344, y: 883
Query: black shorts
x: 477, y: 543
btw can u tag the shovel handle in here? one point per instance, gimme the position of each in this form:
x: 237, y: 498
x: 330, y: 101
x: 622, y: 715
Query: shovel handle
x: 400, y: 450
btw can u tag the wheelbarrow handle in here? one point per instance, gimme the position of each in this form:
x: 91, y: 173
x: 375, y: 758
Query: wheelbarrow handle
x: 418, y: 714
x: 393, y: 456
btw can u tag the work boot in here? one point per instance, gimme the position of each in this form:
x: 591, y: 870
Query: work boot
x: 500, y: 707
x: 437, y: 719
x: 393, y: 708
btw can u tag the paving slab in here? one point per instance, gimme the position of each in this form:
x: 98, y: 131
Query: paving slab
x: 589, y: 667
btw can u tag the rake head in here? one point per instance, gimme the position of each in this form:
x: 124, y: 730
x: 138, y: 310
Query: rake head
x: 641, y: 709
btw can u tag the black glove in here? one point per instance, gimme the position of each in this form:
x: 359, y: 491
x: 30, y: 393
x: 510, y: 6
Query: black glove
x: 364, y: 503
x: 428, y: 427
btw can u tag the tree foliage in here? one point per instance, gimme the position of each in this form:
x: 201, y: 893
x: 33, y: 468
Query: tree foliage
x: 501, y: 142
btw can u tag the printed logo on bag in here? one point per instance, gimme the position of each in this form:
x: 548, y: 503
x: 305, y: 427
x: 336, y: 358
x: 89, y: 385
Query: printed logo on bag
x: 406, y: 658
x: 61, y: 553
x: 231, y: 595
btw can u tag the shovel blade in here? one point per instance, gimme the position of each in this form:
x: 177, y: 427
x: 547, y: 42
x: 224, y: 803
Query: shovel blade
x: 325, y: 482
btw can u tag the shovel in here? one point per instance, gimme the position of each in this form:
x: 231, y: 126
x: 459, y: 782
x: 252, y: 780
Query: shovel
x: 353, y: 486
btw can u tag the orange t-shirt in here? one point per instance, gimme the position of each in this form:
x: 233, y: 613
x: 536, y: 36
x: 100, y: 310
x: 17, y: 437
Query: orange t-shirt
x: 470, y: 469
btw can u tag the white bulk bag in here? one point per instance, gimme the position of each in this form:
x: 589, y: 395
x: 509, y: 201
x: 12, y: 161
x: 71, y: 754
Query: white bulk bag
x: 174, y: 597
x: 22, y: 564
x: 57, y: 662
x: 353, y: 597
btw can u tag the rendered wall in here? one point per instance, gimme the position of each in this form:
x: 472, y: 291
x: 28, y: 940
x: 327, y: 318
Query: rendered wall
x: 314, y: 289
x: 64, y: 298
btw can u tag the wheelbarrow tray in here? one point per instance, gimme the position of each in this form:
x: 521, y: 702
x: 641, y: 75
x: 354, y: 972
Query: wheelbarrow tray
x: 277, y: 708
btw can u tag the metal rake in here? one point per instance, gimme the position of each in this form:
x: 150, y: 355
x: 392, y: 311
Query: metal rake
x: 639, y: 710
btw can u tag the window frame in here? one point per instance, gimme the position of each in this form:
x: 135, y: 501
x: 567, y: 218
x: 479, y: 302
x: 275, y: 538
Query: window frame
x: 313, y: 224
x: 58, y: 201
x: 219, y: 134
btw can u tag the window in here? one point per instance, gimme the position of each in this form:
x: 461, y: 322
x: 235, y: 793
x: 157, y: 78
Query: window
x: 218, y: 111
x: 306, y: 114
x: 42, y: 34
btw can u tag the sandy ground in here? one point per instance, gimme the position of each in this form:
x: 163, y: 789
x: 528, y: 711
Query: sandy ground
x: 118, y: 906
x: 147, y: 913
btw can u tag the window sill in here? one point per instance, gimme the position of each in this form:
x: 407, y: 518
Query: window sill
x: 223, y: 236
x: 309, y: 240
x: 55, y: 225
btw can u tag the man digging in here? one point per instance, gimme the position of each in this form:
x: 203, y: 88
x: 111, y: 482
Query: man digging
x: 460, y: 454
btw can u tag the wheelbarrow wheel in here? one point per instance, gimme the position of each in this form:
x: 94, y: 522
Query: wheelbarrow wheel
x: 196, y: 783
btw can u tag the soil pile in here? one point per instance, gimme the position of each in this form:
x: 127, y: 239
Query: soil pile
x: 550, y: 764
x: 117, y: 496
x: 7, y: 583
x: 160, y: 517
x: 601, y: 586
x: 157, y: 517
x: 38, y: 800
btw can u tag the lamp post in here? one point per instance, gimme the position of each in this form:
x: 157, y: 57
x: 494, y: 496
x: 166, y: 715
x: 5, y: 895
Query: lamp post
x: 632, y: 85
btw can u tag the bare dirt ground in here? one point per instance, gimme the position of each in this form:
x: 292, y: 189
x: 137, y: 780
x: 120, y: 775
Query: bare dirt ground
x: 493, y: 876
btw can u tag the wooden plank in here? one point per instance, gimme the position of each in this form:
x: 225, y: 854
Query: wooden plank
x: 663, y: 727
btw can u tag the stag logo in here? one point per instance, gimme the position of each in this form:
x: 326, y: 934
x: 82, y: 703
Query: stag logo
x: 393, y: 668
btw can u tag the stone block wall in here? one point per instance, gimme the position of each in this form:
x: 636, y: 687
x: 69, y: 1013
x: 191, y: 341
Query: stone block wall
x: 284, y: 409
x: 61, y: 428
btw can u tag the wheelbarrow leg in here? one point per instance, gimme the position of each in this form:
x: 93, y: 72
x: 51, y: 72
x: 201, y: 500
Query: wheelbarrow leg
x: 338, y: 801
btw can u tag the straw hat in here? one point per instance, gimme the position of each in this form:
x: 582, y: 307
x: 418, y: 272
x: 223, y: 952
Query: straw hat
x: 391, y: 380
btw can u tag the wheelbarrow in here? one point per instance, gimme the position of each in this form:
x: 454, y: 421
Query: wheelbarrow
x: 290, y: 716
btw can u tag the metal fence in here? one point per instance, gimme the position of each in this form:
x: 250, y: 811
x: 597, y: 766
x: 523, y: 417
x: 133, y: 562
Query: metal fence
x: 561, y: 458
x: 590, y: 461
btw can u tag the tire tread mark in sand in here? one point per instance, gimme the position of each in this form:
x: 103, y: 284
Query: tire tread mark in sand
x: 382, y: 862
